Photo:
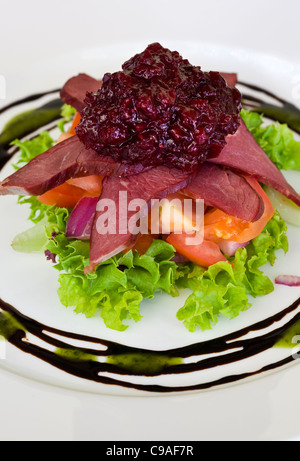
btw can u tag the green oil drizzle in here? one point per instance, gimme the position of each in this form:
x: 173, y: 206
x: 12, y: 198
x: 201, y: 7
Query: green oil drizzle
x: 75, y: 355
x: 9, y: 325
x: 29, y: 121
x: 291, y: 336
x: 143, y: 363
x: 283, y: 111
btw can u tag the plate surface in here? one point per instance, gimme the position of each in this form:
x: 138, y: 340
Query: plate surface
x: 30, y: 283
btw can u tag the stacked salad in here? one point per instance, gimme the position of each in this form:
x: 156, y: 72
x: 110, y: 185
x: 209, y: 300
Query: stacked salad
x: 160, y: 126
x: 120, y: 284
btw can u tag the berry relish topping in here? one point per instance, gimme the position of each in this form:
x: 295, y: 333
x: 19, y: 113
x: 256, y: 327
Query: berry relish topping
x: 160, y: 110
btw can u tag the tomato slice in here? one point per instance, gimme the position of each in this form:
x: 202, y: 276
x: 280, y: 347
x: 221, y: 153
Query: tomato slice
x: 76, y: 120
x: 142, y: 243
x: 68, y: 194
x: 71, y: 132
x: 64, y: 196
x: 92, y: 184
x: 205, y: 254
x: 64, y: 136
x: 220, y: 226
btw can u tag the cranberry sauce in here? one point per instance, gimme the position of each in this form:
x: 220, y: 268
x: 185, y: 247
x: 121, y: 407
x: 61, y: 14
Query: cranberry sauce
x: 160, y: 110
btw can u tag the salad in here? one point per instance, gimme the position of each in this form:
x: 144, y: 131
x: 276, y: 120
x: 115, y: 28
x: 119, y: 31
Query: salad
x: 160, y: 128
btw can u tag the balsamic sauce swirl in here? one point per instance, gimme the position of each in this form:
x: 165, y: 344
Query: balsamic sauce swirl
x: 92, y: 369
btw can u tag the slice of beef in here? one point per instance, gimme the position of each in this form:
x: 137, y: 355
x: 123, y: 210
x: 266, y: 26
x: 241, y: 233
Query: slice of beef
x: 45, y: 171
x: 230, y: 78
x: 243, y: 154
x: 221, y: 188
x: 121, y: 209
x: 74, y: 90
x: 65, y: 160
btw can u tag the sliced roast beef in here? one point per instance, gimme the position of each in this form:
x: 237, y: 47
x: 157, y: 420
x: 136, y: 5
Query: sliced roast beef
x: 45, y: 171
x: 221, y: 188
x: 90, y: 162
x: 231, y: 79
x: 75, y: 89
x: 65, y: 160
x: 244, y: 155
x: 218, y: 187
x: 122, y: 202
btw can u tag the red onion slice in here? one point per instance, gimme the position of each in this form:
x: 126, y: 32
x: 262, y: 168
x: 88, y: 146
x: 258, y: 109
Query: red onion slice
x: 81, y: 219
x: 179, y: 259
x: 229, y: 247
x: 288, y: 280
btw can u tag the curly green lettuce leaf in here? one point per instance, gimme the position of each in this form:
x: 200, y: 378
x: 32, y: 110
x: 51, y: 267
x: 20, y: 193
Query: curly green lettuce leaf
x: 67, y: 112
x: 36, y: 238
x: 225, y: 287
x: 37, y: 209
x: 119, y: 284
x: 215, y: 291
x: 277, y: 140
x: 262, y: 250
x: 31, y: 148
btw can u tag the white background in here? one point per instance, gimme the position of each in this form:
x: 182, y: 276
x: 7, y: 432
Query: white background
x: 33, y: 30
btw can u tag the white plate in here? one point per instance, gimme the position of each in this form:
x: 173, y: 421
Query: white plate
x: 115, y: 413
